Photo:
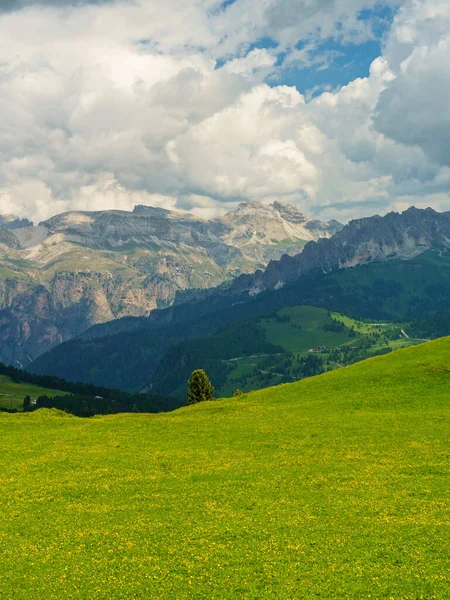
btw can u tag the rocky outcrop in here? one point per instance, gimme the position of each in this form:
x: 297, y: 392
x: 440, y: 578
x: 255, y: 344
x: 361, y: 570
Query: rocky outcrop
x: 13, y: 222
x: 395, y: 236
x: 80, y: 269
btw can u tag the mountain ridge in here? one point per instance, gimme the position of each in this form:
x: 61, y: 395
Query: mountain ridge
x: 396, y: 235
x: 396, y: 288
x: 81, y: 268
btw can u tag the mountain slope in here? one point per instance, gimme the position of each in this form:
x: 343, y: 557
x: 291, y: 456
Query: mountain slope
x: 283, y: 346
x: 394, y: 290
x: 79, y: 269
x: 364, y: 241
x: 13, y: 222
x: 75, y: 398
x: 12, y: 393
x: 336, y: 486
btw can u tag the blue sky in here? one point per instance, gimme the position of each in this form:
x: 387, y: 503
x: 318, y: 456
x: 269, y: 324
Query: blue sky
x: 342, y: 64
x: 334, y: 62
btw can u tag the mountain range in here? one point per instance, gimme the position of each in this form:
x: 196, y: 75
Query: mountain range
x: 395, y: 268
x: 79, y: 269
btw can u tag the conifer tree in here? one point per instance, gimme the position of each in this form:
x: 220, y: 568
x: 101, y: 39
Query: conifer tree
x: 26, y: 404
x: 199, y: 387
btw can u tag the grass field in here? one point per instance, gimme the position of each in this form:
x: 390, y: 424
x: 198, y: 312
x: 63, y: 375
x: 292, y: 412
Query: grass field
x: 333, y: 487
x: 12, y: 394
x: 6, y: 273
x: 304, y: 330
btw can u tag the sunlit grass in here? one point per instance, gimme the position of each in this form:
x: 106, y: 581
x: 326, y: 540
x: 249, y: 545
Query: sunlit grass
x: 334, y: 487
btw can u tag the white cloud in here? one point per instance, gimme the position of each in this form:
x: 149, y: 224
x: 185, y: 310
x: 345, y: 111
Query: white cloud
x: 414, y: 108
x: 255, y: 61
x: 36, y: 200
x: 111, y: 104
x: 12, y: 5
x: 250, y: 149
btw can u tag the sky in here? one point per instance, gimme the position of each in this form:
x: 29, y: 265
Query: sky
x: 339, y: 107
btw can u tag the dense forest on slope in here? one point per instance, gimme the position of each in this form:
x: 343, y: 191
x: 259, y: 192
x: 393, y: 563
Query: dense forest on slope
x: 281, y: 347
x: 393, y: 290
x: 432, y: 326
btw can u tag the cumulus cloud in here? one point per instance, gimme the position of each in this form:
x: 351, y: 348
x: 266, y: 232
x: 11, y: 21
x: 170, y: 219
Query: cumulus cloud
x: 105, y: 105
x: 414, y: 108
x: 250, y: 149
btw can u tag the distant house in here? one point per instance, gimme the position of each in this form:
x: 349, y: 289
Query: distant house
x: 319, y: 349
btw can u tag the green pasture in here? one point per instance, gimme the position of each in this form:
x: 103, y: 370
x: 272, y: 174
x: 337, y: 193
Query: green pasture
x: 12, y: 394
x: 303, y: 330
x: 299, y: 329
x: 333, y: 487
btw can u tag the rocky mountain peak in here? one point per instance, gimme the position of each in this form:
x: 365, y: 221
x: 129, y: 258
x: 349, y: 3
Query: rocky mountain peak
x: 394, y: 236
x: 274, y: 223
x: 13, y: 222
x: 276, y: 209
x: 289, y: 212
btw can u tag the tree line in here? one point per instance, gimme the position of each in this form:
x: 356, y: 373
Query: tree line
x: 85, y: 399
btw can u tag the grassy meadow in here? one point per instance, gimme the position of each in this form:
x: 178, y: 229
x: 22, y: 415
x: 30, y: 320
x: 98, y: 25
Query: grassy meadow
x: 333, y: 487
x: 12, y: 394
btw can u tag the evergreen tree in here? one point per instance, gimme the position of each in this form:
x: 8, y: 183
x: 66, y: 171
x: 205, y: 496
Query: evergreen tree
x: 199, y: 387
x: 26, y: 404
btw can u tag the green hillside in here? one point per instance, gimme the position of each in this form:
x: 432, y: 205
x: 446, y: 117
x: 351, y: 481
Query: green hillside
x: 12, y: 394
x: 284, y: 346
x: 333, y: 487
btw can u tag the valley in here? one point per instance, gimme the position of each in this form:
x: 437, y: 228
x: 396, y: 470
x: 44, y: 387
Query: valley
x: 12, y: 393
x: 21, y: 391
x: 319, y: 348
x: 285, y: 346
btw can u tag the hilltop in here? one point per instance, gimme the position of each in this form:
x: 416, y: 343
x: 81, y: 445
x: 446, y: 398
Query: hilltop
x: 333, y: 487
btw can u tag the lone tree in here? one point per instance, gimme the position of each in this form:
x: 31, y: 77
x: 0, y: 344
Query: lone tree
x: 199, y: 387
x: 26, y: 404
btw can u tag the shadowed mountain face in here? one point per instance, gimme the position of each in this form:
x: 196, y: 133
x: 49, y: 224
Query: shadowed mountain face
x: 79, y: 269
x: 396, y: 279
